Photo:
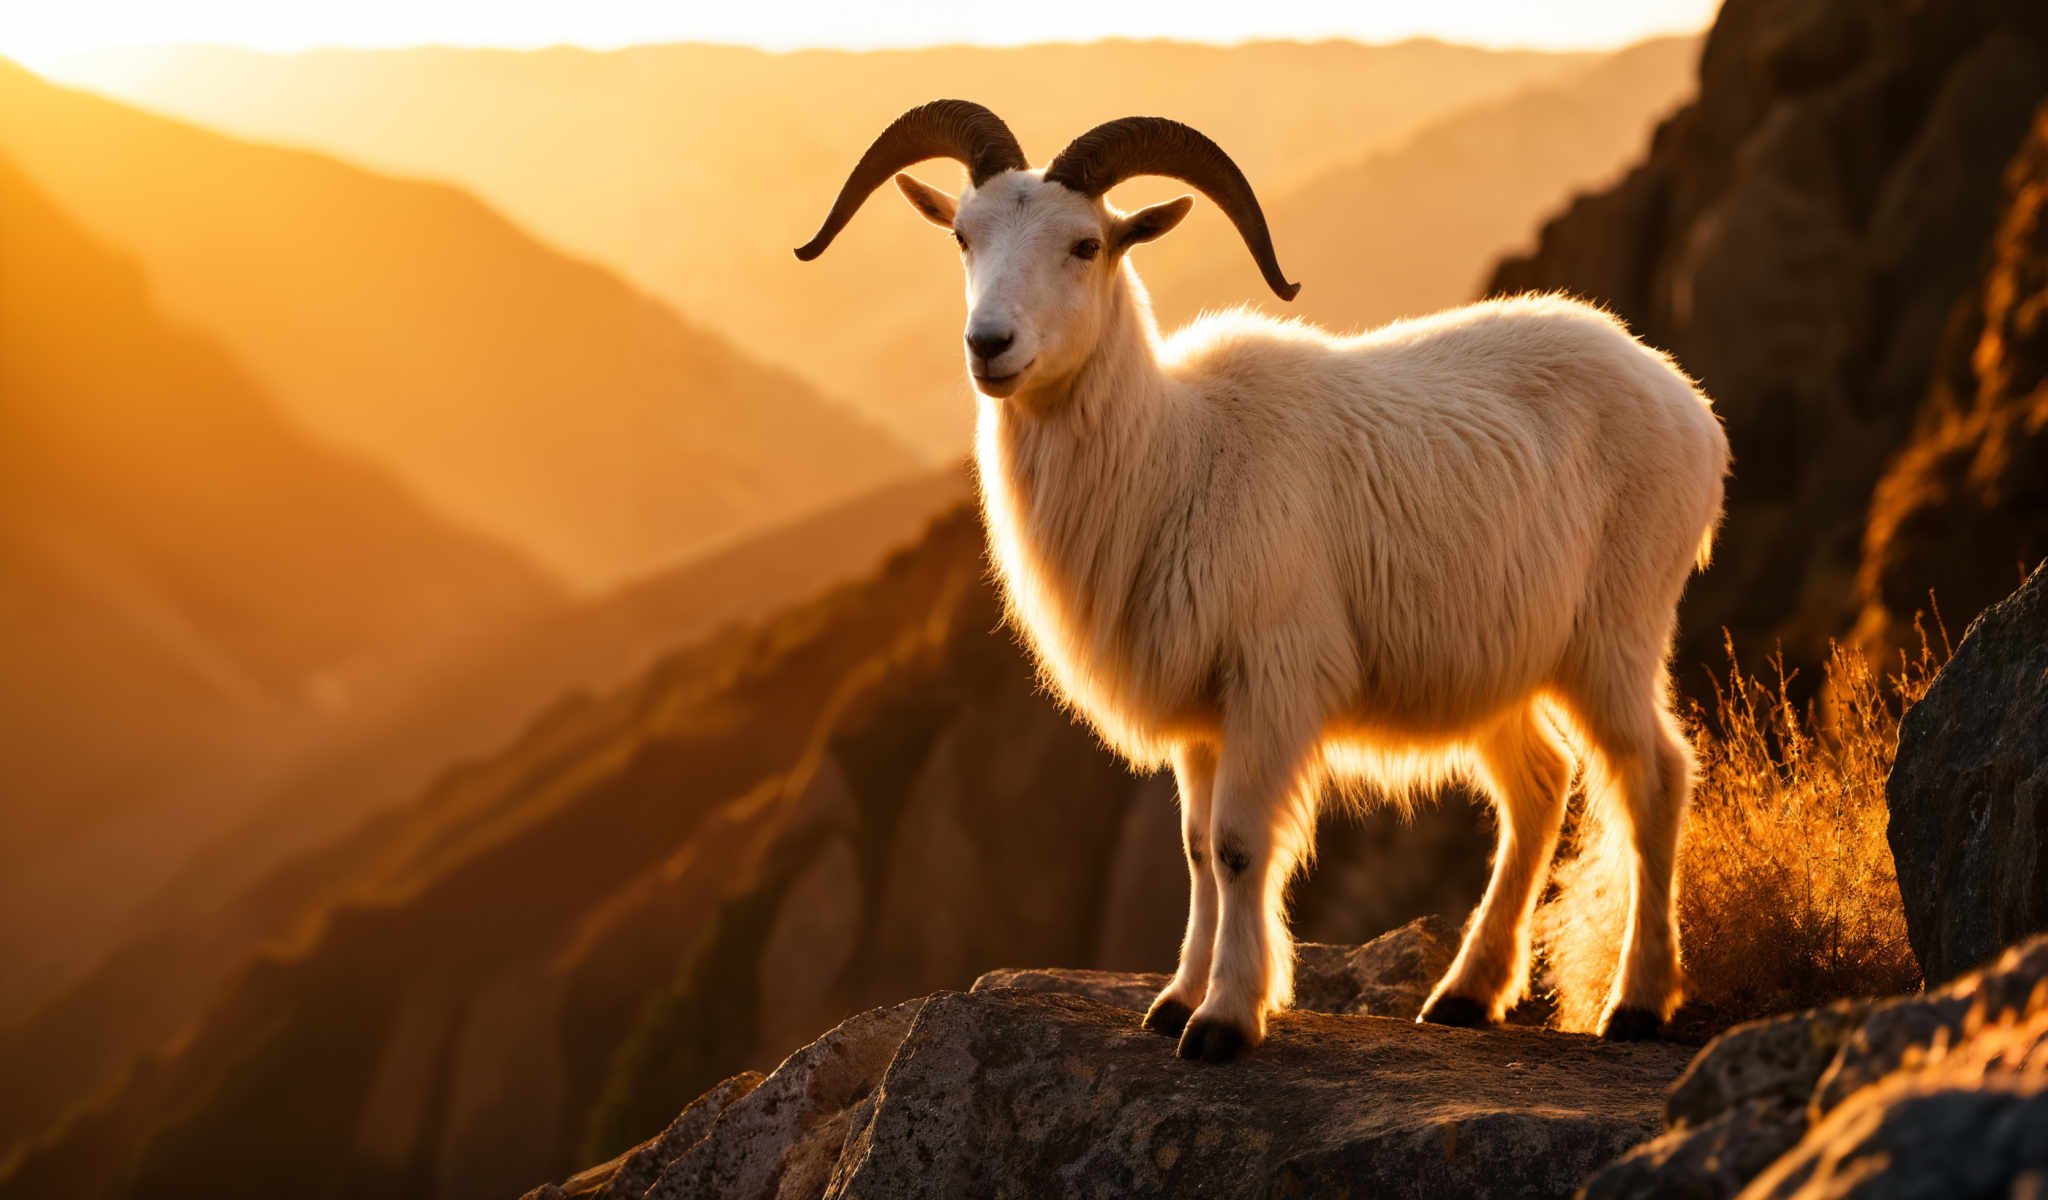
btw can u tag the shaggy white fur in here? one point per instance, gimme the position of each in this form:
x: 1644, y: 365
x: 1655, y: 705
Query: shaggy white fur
x: 1275, y: 558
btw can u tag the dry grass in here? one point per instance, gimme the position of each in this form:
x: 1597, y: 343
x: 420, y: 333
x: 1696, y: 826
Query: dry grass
x: 1787, y: 893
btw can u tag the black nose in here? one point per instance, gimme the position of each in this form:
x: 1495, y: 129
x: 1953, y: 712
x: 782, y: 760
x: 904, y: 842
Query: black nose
x: 987, y: 345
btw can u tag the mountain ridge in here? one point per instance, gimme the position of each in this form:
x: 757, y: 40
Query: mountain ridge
x: 412, y: 322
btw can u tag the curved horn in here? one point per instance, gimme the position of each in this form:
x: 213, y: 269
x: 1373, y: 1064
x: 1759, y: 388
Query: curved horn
x: 940, y: 129
x: 1113, y: 152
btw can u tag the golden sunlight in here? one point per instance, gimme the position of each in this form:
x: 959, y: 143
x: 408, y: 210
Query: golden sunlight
x: 50, y: 32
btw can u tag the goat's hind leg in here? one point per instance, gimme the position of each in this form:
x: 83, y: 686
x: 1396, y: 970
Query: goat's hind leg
x: 1527, y: 771
x: 1656, y: 786
x: 1194, y: 769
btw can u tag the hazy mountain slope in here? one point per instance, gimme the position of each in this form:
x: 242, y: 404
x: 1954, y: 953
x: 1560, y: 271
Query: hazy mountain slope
x: 188, y: 937
x: 693, y: 169
x: 1416, y: 227
x: 523, y: 392
x: 1798, y: 238
x: 187, y: 582
x: 545, y: 955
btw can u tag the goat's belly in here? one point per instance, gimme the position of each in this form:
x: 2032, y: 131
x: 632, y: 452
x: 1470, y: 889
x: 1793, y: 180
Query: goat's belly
x: 1431, y: 697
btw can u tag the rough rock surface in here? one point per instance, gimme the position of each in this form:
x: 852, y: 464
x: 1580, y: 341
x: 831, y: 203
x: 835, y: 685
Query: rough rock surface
x: 1041, y: 1083
x: 1389, y: 976
x: 630, y: 1174
x: 1797, y: 238
x: 1939, y: 1094
x: 1968, y: 792
x: 1966, y: 506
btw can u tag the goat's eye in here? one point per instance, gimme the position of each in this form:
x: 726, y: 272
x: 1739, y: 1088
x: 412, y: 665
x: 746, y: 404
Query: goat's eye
x: 960, y: 238
x: 1087, y: 248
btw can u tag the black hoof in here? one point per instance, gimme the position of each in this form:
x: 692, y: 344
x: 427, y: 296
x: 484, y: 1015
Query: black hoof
x: 1462, y: 1011
x: 1632, y: 1025
x: 1211, y: 1042
x: 1168, y: 1016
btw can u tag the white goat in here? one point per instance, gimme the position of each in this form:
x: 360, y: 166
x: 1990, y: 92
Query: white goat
x: 1274, y: 557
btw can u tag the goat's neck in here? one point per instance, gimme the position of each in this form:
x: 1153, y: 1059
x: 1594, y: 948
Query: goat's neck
x: 1095, y: 425
x: 1062, y: 476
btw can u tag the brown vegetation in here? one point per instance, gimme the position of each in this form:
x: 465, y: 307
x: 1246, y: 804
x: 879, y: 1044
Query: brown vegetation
x: 1788, y: 898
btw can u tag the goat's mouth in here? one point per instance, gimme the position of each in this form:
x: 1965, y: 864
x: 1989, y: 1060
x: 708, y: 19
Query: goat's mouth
x: 999, y: 386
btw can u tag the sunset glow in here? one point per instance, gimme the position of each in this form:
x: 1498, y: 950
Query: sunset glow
x: 43, y: 33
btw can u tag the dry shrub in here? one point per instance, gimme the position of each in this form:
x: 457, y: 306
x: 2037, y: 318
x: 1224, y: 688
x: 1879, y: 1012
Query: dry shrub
x: 1787, y: 893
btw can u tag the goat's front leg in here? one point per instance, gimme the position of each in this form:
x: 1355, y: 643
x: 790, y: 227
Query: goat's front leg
x: 1194, y: 768
x: 1264, y: 817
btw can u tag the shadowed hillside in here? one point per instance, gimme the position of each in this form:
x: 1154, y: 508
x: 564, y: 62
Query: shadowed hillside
x: 1798, y: 238
x: 545, y: 955
x: 190, y: 586
x: 521, y: 391
x: 693, y: 169
x: 1965, y: 506
x: 180, y: 945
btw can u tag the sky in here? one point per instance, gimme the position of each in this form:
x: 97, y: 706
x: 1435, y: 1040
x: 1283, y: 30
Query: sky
x: 34, y: 32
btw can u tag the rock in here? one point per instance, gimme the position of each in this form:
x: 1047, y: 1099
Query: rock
x: 1972, y: 1121
x: 1931, y: 1095
x: 1966, y: 504
x: 1968, y: 792
x: 1778, y: 1061
x: 1008, y: 1093
x: 1041, y: 1082
x: 628, y: 1176
x: 1711, y: 1161
x: 784, y: 1136
x: 1899, y: 1033
x: 1390, y: 976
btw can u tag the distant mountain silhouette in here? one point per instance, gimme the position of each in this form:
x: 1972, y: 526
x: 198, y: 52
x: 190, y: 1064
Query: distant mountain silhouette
x: 521, y: 391
x: 1417, y: 227
x: 693, y: 169
x: 189, y: 584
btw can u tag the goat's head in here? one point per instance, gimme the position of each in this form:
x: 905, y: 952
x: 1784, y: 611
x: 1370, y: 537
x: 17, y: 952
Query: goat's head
x: 1042, y: 248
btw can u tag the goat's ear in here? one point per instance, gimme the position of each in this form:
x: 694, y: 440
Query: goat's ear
x: 1149, y: 223
x: 931, y: 203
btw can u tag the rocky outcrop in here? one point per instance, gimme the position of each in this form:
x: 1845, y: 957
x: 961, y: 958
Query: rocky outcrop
x: 1041, y: 1083
x: 1941, y: 1094
x: 1968, y: 791
x: 1798, y: 238
x: 1965, y: 507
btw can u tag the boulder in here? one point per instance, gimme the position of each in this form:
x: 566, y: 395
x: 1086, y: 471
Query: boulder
x: 1968, y: 792
x: 1939, y: 1094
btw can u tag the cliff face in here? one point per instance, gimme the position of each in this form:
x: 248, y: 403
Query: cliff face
x: 1797, y: 238
x: 1965, y: 508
